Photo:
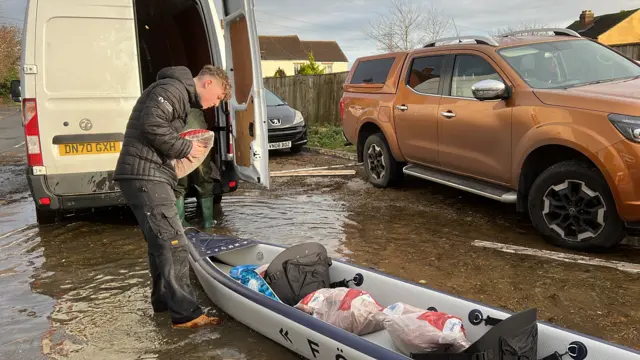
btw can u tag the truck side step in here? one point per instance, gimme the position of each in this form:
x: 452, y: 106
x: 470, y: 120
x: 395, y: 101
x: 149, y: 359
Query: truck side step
x: 478, y: 187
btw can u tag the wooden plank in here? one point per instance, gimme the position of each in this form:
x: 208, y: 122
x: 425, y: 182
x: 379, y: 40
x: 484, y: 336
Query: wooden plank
x: 623, y: 266
x: 316, y: 173
x: 315, y: 168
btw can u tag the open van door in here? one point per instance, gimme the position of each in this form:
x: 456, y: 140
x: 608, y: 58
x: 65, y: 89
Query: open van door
x: 247, y: 107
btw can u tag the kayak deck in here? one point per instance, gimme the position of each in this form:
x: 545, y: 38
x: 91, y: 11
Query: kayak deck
x: 380, y: 338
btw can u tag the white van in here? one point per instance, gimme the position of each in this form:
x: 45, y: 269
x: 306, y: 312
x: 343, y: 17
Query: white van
x: 85, y: 63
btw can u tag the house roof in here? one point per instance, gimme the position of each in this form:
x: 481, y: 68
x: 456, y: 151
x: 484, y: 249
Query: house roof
x: 290, y: 47
x: 325, y: 50
x: 602, y: 23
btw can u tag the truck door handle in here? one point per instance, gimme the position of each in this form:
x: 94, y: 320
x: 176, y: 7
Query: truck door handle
x: 402, y: 107
x: 448, y: 114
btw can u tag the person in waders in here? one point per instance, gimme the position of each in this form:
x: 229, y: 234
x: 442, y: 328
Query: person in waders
x: 201, y: 178
x: 147, y: 180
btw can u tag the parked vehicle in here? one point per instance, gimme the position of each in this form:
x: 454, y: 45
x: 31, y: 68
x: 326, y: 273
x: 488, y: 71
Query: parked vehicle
x: 548, y: 123
x: 85, y: 64
x: 493, y: 333
x: 287, y: 128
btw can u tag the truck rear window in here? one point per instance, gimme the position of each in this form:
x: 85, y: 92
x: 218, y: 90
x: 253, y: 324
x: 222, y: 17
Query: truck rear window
x: 372, y: 71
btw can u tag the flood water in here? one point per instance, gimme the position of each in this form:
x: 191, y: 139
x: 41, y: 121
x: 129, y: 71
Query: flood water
x: 80, y: 289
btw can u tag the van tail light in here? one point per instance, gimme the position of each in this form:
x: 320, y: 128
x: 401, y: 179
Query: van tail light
x: 341, y: 109
x: 31, y: 132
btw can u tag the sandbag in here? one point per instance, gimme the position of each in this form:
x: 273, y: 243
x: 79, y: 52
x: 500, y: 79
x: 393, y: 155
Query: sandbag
x: 352, y: 310
x: 415, y: 330
x: 185, y: 166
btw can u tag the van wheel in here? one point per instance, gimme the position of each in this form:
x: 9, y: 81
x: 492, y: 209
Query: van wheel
x: 46, y: 217
x: 379, y: 165
x: 571, y: 205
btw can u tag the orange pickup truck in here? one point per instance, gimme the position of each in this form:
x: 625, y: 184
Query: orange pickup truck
x: 548, y: 123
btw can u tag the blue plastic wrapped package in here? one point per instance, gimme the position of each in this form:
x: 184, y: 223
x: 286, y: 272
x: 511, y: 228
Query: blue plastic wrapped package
x: 247, y: 276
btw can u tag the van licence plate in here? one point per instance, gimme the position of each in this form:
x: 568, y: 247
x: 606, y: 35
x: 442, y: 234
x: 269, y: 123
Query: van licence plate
x: 90, y: 148
x: 280, y: 145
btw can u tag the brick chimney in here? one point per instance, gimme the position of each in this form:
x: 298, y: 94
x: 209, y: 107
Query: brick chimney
x: 586, y: 19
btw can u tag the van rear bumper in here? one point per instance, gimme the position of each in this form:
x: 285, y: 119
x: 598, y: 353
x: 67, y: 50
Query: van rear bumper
x: 40, y: 190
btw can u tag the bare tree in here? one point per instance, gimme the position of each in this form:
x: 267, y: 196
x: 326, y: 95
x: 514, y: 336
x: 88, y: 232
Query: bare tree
x: 406, y: 25
x: 522, y: 26
x: 435, y: 23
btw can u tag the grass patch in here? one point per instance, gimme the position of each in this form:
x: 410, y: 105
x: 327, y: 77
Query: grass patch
x: 328, y: 137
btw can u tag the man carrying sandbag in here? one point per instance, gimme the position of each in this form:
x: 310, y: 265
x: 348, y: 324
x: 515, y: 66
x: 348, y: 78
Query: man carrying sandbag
x: 147, y: 178
x: 201, y: 178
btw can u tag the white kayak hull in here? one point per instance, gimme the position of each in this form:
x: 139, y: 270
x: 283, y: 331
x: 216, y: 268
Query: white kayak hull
x: 316, y: 339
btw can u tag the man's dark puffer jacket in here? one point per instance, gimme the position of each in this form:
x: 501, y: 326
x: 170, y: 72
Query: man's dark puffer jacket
x: 152, y: 136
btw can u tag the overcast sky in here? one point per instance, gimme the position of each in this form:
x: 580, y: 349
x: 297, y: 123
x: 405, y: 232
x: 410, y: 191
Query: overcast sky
x: 343, y: 20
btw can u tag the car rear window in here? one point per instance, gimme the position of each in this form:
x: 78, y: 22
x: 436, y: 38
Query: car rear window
x: 372, y: 71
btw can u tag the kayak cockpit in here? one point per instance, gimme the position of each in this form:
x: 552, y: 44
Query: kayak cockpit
x: 380, y: 338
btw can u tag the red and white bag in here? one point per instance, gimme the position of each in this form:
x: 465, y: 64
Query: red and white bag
x: 352, y: 310
x: 186, y: 165
x: 414, y: 330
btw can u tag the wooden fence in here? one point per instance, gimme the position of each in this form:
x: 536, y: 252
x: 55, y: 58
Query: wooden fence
x: 317, y: 97
x: 632, y: 51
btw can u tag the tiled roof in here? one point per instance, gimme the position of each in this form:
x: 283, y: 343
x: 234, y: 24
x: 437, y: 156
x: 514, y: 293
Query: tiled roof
x: 601, y: 24
x: 325, y: 50
x: 291, y: 48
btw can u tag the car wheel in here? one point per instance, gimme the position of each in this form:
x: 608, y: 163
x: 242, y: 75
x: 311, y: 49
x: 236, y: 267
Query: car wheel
x: 571, y: 205
x: 296, y: 149
x: 46, y: 217
x: 380, y: 167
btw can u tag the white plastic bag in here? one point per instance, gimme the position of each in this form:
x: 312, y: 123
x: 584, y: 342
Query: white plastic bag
x: 185, y: 166
x: 415, y: 330
x: 352, y: 310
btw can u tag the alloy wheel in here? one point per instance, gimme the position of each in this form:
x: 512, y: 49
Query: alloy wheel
x: 574, y: 211
x: 375, y: 161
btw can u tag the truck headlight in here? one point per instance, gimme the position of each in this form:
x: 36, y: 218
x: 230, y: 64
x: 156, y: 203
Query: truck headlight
x: 628, y: 125
x: 299, y: 119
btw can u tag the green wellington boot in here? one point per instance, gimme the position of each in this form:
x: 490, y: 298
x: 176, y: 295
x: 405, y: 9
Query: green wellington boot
x: 206, y: 205
x: 180, y: 207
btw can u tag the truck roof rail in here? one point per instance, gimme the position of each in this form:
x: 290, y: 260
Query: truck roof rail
x: 556, y: 31
x: 486, y: 40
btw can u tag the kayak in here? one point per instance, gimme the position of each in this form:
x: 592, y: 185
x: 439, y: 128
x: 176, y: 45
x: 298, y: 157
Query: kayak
x: 213, y: 257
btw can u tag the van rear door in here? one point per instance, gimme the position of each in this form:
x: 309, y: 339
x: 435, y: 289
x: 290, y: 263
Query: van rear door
x: 248, y: 110
x: 87, y: 81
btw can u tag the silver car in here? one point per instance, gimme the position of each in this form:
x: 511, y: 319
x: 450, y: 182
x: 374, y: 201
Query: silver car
x: 287, y: 128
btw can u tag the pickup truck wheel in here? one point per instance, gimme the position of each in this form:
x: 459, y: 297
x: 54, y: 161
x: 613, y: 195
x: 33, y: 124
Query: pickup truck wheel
x: 571, y: 205
x: 379, y: 165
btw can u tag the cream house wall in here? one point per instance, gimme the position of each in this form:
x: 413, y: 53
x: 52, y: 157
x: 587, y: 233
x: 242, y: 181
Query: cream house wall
x: 626, y: 32
x: 269, y: 67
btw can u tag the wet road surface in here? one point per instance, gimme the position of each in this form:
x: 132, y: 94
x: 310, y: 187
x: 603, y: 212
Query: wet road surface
x: 80, y: 289
x: 11, y: 131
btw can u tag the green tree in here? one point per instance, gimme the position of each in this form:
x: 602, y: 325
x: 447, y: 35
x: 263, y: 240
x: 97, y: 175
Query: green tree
x: 10, y: 44
x: 310, y: 68
x: 280, y: 73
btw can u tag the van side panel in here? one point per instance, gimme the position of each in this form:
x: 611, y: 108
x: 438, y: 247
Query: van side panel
x: 27, y: 78
x: 87, y: 83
